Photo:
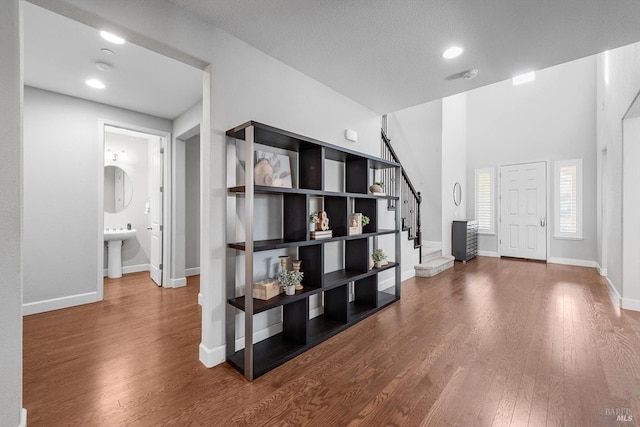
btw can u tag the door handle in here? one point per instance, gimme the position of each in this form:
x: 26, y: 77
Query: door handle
x: 149, y: 228
x: 543, y: 221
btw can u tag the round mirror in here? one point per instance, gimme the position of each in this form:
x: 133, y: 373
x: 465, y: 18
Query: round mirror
x: 457, y: 193
x: 118, y: 189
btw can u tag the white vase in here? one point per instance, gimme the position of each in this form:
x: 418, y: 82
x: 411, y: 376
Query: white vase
x: 290, y: 290
x: 378, y: 264
x: 312, y: 226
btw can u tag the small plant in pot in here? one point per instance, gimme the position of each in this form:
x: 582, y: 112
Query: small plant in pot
x: 313, y: 220
x: 378, y: 257
x: 365, y: 220
x: 289, y: 279
x: 377, y: 187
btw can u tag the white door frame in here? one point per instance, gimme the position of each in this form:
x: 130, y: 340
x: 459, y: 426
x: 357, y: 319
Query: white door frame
x: 547, y: 208
x: 166, y: 238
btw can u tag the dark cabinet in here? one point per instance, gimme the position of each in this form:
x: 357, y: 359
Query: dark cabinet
x: 464, y: 240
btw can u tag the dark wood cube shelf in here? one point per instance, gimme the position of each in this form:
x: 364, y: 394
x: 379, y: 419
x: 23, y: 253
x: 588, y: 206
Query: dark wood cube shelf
x: 341, y: 297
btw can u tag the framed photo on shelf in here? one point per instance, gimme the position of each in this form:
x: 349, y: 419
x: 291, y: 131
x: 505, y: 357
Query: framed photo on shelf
x: 272, y: 169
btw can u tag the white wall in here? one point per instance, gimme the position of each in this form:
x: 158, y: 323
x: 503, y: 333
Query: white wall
x: 135, y: 251
x: 630, y: 209
x: 454, y: 161
x: 185, y: 126
x: 192, y: 203
x: 10, y: 211
x: 551, y: 118
x: 62, y: 226
x: 618, y: 83
x: 245, y: 84
x: 416, y: 137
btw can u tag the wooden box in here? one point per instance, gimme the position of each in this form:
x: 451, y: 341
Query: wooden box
x: 266, y: 289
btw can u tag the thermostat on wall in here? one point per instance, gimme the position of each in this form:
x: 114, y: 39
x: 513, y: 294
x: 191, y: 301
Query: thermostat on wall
x: 351, y: 135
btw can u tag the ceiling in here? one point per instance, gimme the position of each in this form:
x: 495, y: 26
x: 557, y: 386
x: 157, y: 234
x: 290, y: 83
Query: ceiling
x: 60, y: 54
x: 386, y: 54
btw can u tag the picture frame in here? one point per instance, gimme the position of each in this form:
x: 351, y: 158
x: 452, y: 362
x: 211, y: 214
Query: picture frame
x: 273, y: 170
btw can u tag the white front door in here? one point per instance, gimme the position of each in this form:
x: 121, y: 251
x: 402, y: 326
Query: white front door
x: 523, y: 211
x: 156, y: 163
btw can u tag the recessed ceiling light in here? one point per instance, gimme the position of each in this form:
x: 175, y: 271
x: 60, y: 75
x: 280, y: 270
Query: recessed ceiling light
x: 111, y: 37
x: 470, y: 74
x: 452, y: 52
x: 524, y: 78
x: 106, y: 51
x: 103, y: 66
x: 95, y: 83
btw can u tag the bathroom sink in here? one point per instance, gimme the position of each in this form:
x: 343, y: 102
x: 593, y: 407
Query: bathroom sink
x: 114, y: 239
x: 111, y: 235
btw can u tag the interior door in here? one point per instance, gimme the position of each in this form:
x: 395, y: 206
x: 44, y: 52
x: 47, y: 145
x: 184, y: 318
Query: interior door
x: 523, y: 210
x: 156, y: 162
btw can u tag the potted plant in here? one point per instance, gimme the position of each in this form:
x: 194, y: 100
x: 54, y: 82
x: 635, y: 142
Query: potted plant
x: 365, y: 220
x: 378, y: 257
x: 313, y: 220
x: 377, y: 188
x: 289, y: 279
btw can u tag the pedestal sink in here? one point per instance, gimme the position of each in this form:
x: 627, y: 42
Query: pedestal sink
x: 114, y: 239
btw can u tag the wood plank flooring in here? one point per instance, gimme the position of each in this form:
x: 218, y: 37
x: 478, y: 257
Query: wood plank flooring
x: 494, y: 342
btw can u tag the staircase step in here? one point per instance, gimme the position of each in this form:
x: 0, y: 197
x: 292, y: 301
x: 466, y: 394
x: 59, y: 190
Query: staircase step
x: 430, y: 253
x: 434, y: 266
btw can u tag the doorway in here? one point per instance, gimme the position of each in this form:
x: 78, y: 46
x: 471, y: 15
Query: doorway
x: 523, y: 211
x: 137, y: 155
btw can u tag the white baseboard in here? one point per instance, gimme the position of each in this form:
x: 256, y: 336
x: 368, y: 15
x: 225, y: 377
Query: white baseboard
x: 492, y: 254
x: 630, y: 304
x: 58, y: 303
x: 601, y: 271
x: 192, y: 271
x: 404, y: 276
x: 200, y: 298
x: 178, y: 283
x: 613, y: 293
x: 211, y: 357
x: 23, y: 418
x: 576, y: 262
x: 126, y: 269
x: 432, y: 244
x: 260, y: 335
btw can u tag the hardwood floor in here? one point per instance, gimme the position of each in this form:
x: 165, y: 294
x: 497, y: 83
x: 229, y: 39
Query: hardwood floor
x: 490, y: 342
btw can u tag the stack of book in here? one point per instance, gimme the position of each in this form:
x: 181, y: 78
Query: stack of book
x: 320, y: 234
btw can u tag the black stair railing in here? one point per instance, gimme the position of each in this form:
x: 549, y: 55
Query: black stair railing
x: 409, y: 197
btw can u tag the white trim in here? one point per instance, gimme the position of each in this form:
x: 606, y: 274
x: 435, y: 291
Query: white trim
x: 126, y: 269
x: 492, y: 254
x: 390, y: 282
x: 192, y: 271
x: 613, y: 293
x: 630, y: 304
x: 211, y: 357
x: 576, y: 262
x: 179, y: 282
x: 578, y: 234
x: 200, y: 299
x: 23, y: 418
x: 260, y: 335
x: 58, y: 303
x: 601, y: 271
